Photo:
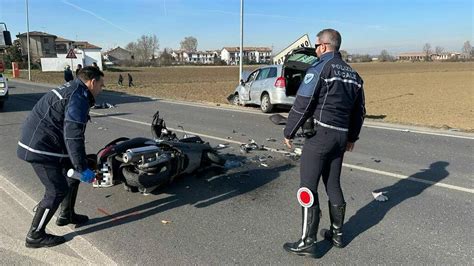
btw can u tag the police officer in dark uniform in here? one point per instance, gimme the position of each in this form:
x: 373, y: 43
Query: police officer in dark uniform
x: 332, y: 96
x: 52, y: 140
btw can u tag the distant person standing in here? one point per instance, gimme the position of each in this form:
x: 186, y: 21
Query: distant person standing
x: 130, y: 80
x: 120, y: 80
x: 68, y: 74
x: 78, y: 68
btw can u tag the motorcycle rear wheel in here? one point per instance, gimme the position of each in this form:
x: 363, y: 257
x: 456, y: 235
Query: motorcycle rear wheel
x: 213, y: 157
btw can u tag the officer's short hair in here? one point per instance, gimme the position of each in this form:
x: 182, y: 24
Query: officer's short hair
x: 331, y: 36
x: 90, y: 73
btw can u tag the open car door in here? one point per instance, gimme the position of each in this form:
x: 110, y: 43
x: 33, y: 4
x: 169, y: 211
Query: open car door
x: 294, y: 67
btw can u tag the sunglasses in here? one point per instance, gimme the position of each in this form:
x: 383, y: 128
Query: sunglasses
x: 318, y: 44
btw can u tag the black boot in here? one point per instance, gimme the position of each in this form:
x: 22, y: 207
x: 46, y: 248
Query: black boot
x: 307, y: 244
x: 334, y: 234
x: 37, y: 237
x: 67, y: 214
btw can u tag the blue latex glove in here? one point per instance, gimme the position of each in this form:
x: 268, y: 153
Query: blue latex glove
x: 87, y: 176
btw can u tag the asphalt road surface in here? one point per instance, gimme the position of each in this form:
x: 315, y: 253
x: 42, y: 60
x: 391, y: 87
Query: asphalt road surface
x: 244, y: 215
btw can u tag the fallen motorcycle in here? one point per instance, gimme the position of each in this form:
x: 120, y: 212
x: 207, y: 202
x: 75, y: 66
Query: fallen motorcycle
x: 145, y: 164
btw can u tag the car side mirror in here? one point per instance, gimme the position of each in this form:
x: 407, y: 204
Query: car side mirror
x: 242, y: 82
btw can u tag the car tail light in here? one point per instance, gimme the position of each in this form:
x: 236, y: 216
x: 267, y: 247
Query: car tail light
x: 280, y: 83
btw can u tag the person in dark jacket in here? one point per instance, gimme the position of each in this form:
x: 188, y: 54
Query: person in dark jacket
x: 120, y: 80
x: 68, y: 74
x: 332, y: 96
x: 130, y: 80
x: 79, y: 67
x: 52, y: 140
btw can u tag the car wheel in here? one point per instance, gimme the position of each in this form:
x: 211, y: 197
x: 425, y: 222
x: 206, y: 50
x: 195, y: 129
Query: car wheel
x: 235, y: 99
x: 266, y: 105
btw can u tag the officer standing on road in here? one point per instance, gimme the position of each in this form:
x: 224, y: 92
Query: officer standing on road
x: 332, y: 95
x: 52, y: 140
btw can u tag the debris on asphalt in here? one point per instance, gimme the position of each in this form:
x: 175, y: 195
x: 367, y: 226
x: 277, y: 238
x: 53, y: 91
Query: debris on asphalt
x: 165, y: 222
x: 223, y: 145
x: 278, y: 119
x: 379, y: 196
x: 264, y: 164
x: 271, y: 139
x: 103, y: 105
x: 298, y: 151
x: 252, y: 145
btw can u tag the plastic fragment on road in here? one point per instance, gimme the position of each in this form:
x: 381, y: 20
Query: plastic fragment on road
x: 165, y: 222
x: 103, y: 105
x: 379, y: 196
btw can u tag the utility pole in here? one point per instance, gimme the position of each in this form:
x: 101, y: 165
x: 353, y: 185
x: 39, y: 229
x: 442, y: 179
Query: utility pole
x: 28, y: 40
x: 241, y: 38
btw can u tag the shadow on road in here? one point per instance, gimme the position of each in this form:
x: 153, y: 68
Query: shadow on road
x: 207, y: 189
x: 374, y: 212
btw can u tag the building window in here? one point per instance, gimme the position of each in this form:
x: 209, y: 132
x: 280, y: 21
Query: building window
x: 46, y: 40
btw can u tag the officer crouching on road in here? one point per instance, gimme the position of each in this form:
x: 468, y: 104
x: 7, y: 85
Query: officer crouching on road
x: 52, y: 140
x: 332, y: 95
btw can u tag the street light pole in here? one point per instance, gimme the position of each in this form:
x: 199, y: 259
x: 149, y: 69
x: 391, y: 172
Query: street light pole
x: 28, y: 40
x: 241, y: 38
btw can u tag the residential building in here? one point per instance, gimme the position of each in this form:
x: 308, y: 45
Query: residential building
x: 63, y: 45
x: 416, y: 56
x: 260, y: 55
x: 118, y: 55
x: 446, y: 56
x: 180, y: 56
x: 42, y: 44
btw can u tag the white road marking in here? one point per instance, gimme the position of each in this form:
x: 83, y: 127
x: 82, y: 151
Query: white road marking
x: 366, y: 124
x: 418, y: 131
x: 79, y: 244
x: 439, y: 184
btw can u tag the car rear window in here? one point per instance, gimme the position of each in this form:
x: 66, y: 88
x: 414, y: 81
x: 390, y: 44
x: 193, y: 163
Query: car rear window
x: 303, y: 58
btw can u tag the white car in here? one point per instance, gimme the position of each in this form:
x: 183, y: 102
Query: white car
x: 272, y: 85
x: 3, y: 90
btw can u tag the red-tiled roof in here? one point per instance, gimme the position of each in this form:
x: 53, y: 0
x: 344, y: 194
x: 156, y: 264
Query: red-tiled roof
x: 86, y: 45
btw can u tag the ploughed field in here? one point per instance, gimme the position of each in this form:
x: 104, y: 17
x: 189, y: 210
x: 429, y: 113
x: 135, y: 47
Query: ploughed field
x: 435, y: 94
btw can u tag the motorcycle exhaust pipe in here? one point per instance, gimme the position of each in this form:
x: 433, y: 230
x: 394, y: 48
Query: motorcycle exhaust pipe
x: 137, y: 154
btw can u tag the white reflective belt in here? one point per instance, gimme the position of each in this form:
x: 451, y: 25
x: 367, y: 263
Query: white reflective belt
x: 57, y: 94
x: 344, y: 80
x: 329, y: 126
x: 43, y: 152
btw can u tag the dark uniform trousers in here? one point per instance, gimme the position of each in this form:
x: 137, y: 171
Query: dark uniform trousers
x: 322, y: 156
x: 56, y: 182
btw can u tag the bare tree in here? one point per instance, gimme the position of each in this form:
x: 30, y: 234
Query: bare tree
x: 145, y: 48
x: 467, y: 49
x: 439, y: 50
x: 189, y: 44
x: 344, y: 54
x: 385, y: 56
x: 427, y: 51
